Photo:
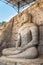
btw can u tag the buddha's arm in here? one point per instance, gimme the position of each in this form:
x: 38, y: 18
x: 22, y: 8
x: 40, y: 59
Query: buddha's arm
x: 34, y: 31
x: 34, y: 41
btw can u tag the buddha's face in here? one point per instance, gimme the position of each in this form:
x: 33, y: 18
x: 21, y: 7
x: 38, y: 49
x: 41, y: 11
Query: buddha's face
x: 40, y: 3
x: 25, y: 18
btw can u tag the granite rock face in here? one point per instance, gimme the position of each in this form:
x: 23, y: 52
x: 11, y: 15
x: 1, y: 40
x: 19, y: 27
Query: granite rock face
x: 8, y: 35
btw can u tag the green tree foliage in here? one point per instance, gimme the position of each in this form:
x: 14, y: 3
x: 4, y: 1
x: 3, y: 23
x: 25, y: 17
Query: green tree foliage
x: 1, y: 23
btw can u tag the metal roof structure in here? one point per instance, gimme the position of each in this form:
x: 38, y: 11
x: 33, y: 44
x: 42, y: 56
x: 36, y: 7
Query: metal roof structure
x: 19, y: 3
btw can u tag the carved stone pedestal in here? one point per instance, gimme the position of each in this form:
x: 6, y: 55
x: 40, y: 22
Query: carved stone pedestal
x: 18, y: 61
x: 21, y: 64
x: 31, y: 64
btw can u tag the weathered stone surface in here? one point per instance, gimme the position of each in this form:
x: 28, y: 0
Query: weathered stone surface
x: 40, y: 49
x: 5, y: 37
x: 19, y: 20
x: 34, y: 15
x: 28, y: 53
x: 29, y: 63
x: 19, y: 64
x: 27, y: 44
x: 18, y: 61
x: 1, y: 63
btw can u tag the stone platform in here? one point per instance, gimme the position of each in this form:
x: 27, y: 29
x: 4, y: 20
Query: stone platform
x: 18, y: 61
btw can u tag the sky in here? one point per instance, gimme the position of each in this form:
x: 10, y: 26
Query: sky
x: 7, y: 12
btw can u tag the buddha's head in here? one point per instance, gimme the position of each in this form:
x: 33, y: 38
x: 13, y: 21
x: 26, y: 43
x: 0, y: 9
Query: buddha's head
x: 40, y: 2
x: 25, y: 18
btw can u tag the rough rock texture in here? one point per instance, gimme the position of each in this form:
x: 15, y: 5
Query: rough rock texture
x: 18, y: 20
x: 18, y: 61
x: 5, y: 37
x: 1, y: 31
x: 27, y: 44
x: 35, y: 15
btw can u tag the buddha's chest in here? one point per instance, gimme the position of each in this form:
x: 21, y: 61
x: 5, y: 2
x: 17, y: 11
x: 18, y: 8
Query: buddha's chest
x: 26, y: 36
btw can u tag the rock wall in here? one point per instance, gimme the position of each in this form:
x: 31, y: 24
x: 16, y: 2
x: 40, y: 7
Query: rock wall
x: 34, y: 14
x: 8, y: 32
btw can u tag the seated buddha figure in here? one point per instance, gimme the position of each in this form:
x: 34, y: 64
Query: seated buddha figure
x: 27, y: 40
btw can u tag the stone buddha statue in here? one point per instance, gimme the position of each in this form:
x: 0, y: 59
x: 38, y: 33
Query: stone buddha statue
x: 26, y: 41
